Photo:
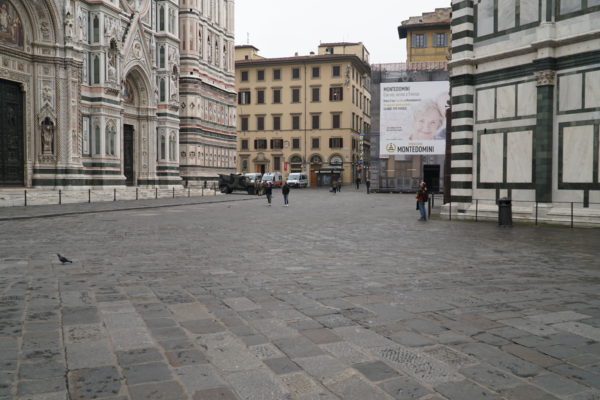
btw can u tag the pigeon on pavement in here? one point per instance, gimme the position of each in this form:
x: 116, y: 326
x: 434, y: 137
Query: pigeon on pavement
x: 63, y: 259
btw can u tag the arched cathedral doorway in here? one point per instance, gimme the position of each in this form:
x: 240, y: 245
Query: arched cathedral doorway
x: 135, y: 121
x: 12, y: 160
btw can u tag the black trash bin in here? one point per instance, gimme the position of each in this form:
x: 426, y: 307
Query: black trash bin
x: 504, y: 212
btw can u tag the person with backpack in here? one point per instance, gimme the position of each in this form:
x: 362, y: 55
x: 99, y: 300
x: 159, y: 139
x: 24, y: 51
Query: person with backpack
x: 422, y: 197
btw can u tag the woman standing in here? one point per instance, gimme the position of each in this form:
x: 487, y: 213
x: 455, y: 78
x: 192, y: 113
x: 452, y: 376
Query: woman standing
x: 421, y: 200
x: 285, y: 190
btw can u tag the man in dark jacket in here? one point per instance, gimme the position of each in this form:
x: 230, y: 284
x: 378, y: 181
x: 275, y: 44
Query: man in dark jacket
x: 422, y: 197
x: 269, y: 191
x: 285, y: 190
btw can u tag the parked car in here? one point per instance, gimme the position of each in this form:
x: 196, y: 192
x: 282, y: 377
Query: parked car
x: 297, y: 179
x: 274, y: 177
x: 231, y: 182
x: 253, y: 176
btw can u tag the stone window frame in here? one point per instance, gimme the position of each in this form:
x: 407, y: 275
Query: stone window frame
x: 418, y: 40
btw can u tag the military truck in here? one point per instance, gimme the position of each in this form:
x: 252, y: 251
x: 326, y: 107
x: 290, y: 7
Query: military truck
x: 231, y: 182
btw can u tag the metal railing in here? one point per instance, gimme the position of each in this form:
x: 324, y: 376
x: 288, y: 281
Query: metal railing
x: 563, y: 212
x: 31, y: 197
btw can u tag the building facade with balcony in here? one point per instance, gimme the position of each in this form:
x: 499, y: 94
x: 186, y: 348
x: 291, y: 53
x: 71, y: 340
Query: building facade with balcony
x: 306, y: 114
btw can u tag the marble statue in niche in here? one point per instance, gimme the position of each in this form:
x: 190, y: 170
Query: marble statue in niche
x: 69, y: 26
x: 47, y: 136
x: 11, y: 27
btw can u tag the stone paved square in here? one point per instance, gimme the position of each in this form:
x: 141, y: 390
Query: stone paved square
x: 335, y: 297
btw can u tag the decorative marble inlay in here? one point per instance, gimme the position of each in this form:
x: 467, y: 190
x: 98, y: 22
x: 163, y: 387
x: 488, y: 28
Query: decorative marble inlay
x: 578, y: 154
x: 519, y: 157
x: 592, y: 89
x: 569, y: 92
x: 491, y: 158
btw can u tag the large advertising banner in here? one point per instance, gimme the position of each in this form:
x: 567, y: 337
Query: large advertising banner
x: 413, y: 118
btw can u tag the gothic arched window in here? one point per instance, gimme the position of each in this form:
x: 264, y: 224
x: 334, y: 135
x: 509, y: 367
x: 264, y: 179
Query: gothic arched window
x: 96, y: 29
x: 161, y: 57
x: 161, y: 19
x: 163, y: 90
x: 97, y: 140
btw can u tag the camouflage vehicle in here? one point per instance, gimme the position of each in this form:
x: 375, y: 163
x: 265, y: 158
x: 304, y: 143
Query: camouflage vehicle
x: 231, y: 182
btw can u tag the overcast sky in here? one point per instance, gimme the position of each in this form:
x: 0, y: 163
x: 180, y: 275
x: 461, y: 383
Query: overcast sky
x: 279, y: 28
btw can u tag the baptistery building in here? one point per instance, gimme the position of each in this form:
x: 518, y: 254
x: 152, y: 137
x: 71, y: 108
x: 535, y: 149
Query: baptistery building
x: 115, y: 92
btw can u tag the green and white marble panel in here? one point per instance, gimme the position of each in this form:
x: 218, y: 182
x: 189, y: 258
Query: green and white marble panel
x: 569, y: 89
x: 527, y: 99
x: 529, y: 12
x: 491, y: 158
x: 485, y: 104
x: 592, y: 89
x: 505, y: 99
x: 519, y: 155
x: 578, y: 154
x: 506, y: 14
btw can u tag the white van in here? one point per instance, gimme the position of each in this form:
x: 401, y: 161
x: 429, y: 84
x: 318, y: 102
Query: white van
x: 297, y: 179
x: 253, y: 177
x: 274, y: 177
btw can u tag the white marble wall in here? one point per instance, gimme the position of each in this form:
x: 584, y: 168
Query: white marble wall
x: 505, y: 100
x: 485, y: 104
x: 529, y: 12
x: 527, y: 99
x: 567, y: 6
x: 485, y: 17
x: 491, y: 158
x: 592, y: 89
x: 506, y: 14
x: 578, y: 154
x: 569, y: 90
x: 519, y: 157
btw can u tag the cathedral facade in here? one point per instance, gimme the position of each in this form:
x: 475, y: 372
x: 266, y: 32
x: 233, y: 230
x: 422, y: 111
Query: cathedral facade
x: 116, y: 92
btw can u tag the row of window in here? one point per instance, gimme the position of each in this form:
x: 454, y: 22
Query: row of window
x: 336, y: 93
x: 419, y: 40
x: 315, y: 73
x: 357, y: 122
x: 192, y: 39
x: 277, y: 144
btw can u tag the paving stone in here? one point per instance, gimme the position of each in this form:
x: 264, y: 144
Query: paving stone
x: 362, y: 337
x: 139, y: 356
x: 144, y: 373
x: 580, y: 329
x: 179, y: 358
x: 533, y: 327
x: 79, y: 315
x: 321, y: 336
x: 39, y: 386
x: 531, y: 355
x: 508, y: 332
x: 177, y: 344
x: 89, y: 355
x: 577, y: 374
x: 281, y: 365
x: 417, y: 365
x: 526, y: 392
x: 228, y: 353
x: 297, y: 347
x: 334, y: 320
x: 273, y: 328
x: 353, y: 387
x: 346, y: 352
x: 449, y: 356
x: 404, y: 388
x: 264, y: 351
x: 557, y: 317
x: 204, y: 326
x: 589, y: 395
x: 376, y: 370
x: 189, y: 311
x: 465, y: 390
x: 41, y: 370
x: 490, y: 377
x: 301, y: 386
x: 62, y: 395
x: 92, y: 383
x: 199, y: 377
x: 157, y: 391
x: 253, y: 340
x: 257, y: 385
x: 221, y: 393
x: 557, y: 385
x: 321, y: 366
x: 410, y: 339
x: 85, y: 333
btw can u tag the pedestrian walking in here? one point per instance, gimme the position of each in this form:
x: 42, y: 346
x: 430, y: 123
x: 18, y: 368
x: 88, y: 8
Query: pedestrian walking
x: 357, y: 183
x: 261, y: 188
x: 368, y: 184
x: 339, y: 184
x: 269, y: 192
x: 256, y: 188
x: 285, y: 190
x: 422, y: 197
x: 334, y: 185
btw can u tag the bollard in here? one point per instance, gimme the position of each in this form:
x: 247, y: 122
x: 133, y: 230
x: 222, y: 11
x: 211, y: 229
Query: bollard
x: 214, y: 189
x: 115, y: 194
x: 536, y: 212
x: 571, y: 214
x: 173, y: 191
x: 476, y: 209
x: 59, y: 196
x: 156, y: 193
x: 450, y: 211
x: 25, y: 198
x: 137, y: 193
x: 429, y: 208
x: 188, y: 192
x: 202, y: 191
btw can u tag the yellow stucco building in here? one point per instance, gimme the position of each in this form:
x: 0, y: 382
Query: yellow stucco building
x: 306, y: 114
x: 427, y: 36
